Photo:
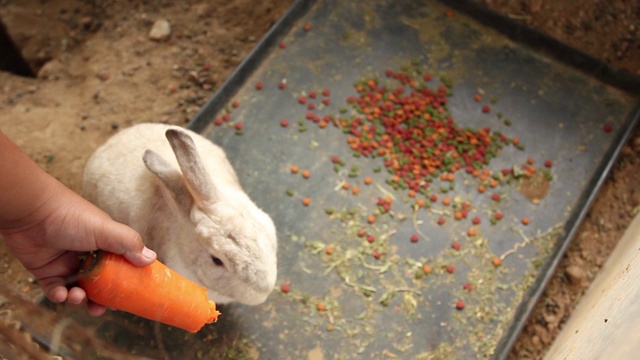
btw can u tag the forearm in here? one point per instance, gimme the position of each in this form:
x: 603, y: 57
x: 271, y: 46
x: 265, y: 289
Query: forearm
x: 24, y: 187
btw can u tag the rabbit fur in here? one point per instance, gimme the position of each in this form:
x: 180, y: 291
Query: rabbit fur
x: 184, y: 198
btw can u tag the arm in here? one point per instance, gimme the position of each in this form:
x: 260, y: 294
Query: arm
x: 46, y: 226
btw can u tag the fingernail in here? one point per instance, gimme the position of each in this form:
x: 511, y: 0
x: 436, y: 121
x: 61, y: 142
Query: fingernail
x: 148, y: 253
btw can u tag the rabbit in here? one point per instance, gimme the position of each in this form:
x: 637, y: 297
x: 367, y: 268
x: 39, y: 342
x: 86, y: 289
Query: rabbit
x: 185, y: 200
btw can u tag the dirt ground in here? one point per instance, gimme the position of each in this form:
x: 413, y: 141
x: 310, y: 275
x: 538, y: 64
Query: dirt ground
x: 97, y: 71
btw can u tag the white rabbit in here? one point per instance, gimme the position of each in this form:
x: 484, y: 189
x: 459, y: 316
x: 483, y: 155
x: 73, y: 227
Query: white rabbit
x: 188, y: 207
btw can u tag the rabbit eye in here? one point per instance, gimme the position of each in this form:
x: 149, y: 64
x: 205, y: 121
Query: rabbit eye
x: 217, y: 261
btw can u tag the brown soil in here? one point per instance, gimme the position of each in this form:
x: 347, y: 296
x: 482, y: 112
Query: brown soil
x: 98, y: 71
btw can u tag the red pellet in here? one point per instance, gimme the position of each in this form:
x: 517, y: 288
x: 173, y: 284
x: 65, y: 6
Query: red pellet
x: 285, y: 288
x: 284, y: 122
x: 414, y: 238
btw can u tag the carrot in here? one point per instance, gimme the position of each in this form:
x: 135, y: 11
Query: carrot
x: 154, y: 292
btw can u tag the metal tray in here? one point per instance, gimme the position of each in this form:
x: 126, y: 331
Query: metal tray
x: 557, y: 101
x: 555, y: 107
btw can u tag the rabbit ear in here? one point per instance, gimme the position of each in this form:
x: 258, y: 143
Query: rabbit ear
x: 170, y: 177
x: 195, y: 175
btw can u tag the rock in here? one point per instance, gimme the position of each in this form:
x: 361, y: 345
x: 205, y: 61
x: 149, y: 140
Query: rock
x: 575, y: 274
x: 50, y: 70
x: 160, y: 31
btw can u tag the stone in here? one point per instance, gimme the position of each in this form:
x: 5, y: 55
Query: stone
x: 160, y: 31
x: 575, y: 274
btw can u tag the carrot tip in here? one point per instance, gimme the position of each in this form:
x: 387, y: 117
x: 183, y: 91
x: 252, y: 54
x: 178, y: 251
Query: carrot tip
x: 213, y: 312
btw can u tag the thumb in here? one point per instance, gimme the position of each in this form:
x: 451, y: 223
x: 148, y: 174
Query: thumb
x: 120, y: 239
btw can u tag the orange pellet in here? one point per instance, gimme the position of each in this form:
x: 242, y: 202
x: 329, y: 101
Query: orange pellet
x: 355, y: 190
x: 294, y: 169
x: 329, y: 249
x: 472, y: 231
x: 306, y: 174
x: 368, y: 180
x: 457, y: 215
x: 426, y: 269
x: 306, y: 201
x: 371, y: 219
x: 345, y: 186
x: 482, y: 188
x: 446, y: 201
x: 420, y: 202
x: 321, y: 307
x: 412, y: 193
x: 493, y: 183
x: 530, y: 161
x: 525, y: 221
x: 451, y: 177
x: 496, y: 261
x: 477, y: 97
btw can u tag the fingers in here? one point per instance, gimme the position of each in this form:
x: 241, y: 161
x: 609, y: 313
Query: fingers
x: 78, y: 298
x: 94, y: 309
x: 56, y: 293
x: 142, y: 258
x: 75, y: 297
x: 121, y: 239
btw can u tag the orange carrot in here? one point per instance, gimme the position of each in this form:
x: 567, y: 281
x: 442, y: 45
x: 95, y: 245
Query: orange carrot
x: 154, y: 292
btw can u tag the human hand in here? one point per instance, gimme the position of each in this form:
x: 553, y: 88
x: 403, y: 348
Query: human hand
x: 66, y: 226
x: 46, y: 226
